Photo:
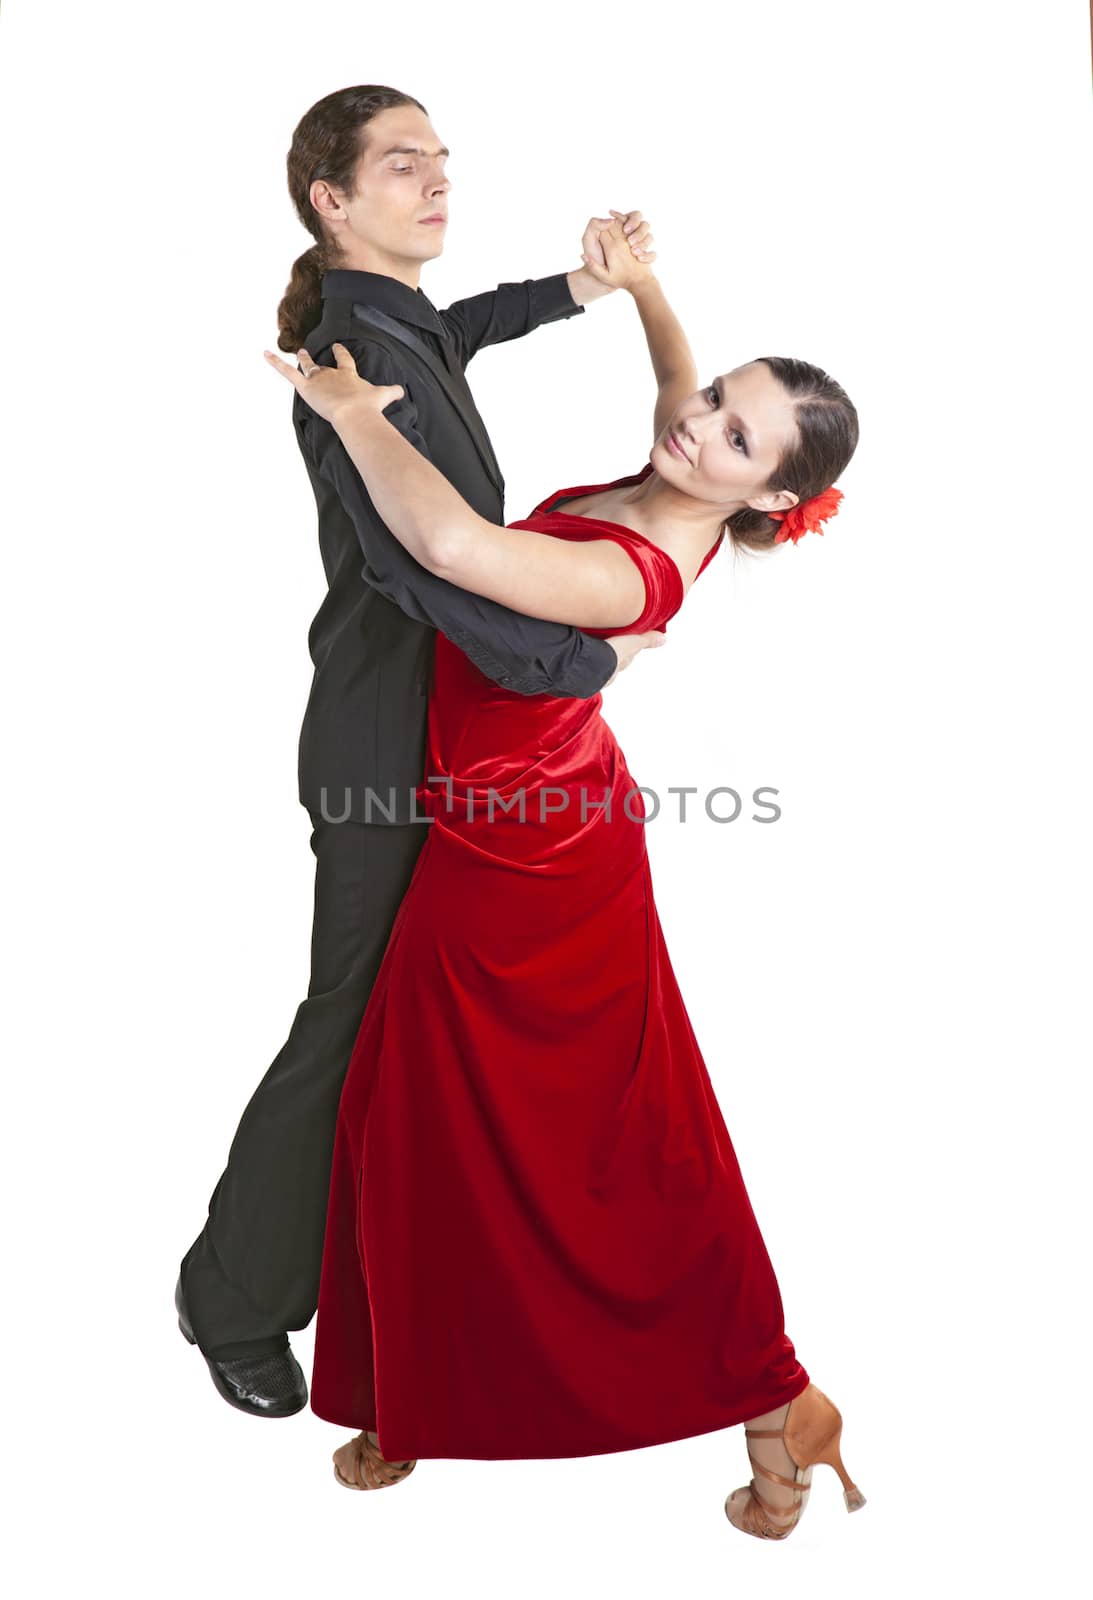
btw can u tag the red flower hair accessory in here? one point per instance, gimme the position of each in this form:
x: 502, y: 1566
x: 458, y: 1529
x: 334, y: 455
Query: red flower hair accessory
x: 806, y: 516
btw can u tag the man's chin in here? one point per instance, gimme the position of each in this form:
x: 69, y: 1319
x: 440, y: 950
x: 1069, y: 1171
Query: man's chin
x: 430, y: 245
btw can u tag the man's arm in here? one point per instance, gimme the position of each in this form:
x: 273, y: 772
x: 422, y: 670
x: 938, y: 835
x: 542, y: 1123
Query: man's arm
x: 522, y: 653
x: 511, y: 310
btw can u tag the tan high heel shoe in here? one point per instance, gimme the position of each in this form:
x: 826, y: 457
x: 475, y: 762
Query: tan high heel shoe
x: 369, y: 1468
x: 810, y: 1430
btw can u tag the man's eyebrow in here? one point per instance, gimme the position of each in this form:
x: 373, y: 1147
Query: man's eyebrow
x: 411, y: 150
x: 744, y: 429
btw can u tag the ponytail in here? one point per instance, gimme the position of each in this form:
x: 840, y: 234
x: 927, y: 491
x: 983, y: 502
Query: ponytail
x: 301, y: 308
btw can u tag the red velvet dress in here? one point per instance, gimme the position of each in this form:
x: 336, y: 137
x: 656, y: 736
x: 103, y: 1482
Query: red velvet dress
x: 538, y: 1240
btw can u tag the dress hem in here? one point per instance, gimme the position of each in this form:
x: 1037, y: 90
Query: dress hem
x: 402, y: 1452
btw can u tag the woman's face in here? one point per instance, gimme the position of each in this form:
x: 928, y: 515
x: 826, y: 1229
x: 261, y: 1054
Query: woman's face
x: 731, y: 436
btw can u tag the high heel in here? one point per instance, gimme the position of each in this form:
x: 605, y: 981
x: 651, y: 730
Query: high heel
x: 810, y: 1432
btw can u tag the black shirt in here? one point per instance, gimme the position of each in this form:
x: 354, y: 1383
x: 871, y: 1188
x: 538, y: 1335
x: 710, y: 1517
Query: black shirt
x: 372, y: 639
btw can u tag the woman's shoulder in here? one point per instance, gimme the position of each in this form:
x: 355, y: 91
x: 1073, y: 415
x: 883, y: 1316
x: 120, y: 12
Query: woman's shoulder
x: 577, y: 491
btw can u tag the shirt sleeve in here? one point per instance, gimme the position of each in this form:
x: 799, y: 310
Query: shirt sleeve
x: 508, y: 312
x: 526, y: 654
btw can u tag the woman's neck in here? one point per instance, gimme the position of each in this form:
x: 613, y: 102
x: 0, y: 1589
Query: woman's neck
x: 671, y: 518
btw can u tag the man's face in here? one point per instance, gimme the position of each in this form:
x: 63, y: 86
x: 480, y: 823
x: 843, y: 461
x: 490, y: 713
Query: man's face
x: 400, y: 186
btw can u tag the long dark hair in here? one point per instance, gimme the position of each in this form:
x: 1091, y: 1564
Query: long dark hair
x: 327, y: 143
x: 827, y: 427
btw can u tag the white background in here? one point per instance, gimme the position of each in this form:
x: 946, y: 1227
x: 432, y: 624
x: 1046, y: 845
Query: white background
x: 889, y: 985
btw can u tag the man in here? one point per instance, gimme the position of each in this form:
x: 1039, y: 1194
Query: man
x: 253, y: 1271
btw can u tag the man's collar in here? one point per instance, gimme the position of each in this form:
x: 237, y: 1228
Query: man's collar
x: 388, y: 294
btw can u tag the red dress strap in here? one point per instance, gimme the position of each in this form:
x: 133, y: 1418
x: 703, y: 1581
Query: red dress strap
x: 710, y: 553
x: 663, y: 584
x: 575, y: 492
x: 661, y: 576
x: 578, y: 489
x: 664, y: 589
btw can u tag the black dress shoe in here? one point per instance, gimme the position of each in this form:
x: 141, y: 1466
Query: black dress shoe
x: 266, y: 1386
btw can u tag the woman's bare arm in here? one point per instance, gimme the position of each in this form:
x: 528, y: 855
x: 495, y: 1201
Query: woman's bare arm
x: 673, y: 364
x: 592, y: 584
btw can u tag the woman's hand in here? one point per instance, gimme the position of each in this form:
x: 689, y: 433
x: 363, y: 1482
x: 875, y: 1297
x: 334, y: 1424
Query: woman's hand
x: 337, y: 391
x: 623, y: 267
x: 635, y: 230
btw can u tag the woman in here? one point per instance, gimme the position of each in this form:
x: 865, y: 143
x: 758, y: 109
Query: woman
x: 538, y: 1240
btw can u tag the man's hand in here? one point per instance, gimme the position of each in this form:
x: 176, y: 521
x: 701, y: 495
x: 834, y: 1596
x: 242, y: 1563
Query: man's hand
x: 635, y: 231
x: 592, y: 280
x: 623, y: 269
x: 627, y: 645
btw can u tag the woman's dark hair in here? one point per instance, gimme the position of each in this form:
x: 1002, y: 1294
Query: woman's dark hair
x: 327, y: 143
x: 827, y: 436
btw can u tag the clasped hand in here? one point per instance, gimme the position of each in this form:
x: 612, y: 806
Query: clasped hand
x: 605, y: 252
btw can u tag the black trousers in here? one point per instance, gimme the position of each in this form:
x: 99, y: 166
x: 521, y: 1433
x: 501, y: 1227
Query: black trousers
x: 252, y: 1273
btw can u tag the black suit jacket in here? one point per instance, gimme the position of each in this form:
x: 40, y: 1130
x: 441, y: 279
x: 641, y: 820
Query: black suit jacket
x: 362, y: 745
